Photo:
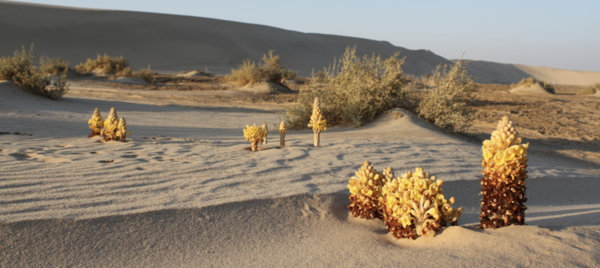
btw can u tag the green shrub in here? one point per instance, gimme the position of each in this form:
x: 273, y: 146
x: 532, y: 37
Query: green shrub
x: 449, y: 103
x: 352, y: 91
x: 249, y: 73
x: 53, y: 66
x: 532, y: 81
x: 105, y: 65
x: 20, y: 69
x: 590, y: 90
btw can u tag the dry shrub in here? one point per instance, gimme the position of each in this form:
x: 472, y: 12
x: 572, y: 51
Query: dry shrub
x: 590, y: 90
x: 352, y: 91
x: 449, y: 103
x: 106, y: 65
x: 53, y: 66
x: 249, y: 73
x: 21, y: 70
x: 532, y: 81
x: 128, y: 72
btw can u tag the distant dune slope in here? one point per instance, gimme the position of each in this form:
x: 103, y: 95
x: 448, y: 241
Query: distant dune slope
x: 175, y: 43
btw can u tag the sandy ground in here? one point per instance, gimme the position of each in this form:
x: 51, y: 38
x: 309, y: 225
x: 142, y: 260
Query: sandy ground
x: 185, y: 191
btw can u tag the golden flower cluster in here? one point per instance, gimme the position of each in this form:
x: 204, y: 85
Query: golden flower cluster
x: 365, y: 192
x: 414, y: 205
x: 317, y: 121
x: 113, y: 127
x: 96, y: 123
x: 503, y: 185
x: 282, y: 131
x: 254, y: 135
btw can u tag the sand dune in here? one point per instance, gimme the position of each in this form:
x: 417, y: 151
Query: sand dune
x: 171, y: 43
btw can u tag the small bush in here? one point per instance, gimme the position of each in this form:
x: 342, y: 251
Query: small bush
x: 591, y: 90
x: 105, y: 65
x: 53, y: 66
x: 449, y: 103
x: 144, y: 74
x: 352, y: 91
x: 20, y: 69
x: 532, y: 81
x: 249, y: 73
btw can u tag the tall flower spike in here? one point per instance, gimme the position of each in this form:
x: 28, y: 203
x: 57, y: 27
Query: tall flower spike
x: 254, y: 135
x: 365, y: 191
x: 414, y: 205
x: 109, y: 132
x: 96, y: 123
x: 317, y: 122
x: 503, y: 185
x: 264, y: 126
x: 122, y: 132
x: 282, y: 131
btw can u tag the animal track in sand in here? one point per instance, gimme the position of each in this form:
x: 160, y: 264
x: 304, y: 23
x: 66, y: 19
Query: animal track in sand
x: 106, y: 161
x: 38, y: 157
x: 98, y: 152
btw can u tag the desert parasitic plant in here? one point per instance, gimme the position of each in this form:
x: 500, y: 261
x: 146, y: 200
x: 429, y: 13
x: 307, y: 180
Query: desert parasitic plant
x: 122, y: 132
x: 317, y: 122
x: 254, y: 135
x: 414, y: 205
x: 282, y: 131
x: 503, y: 185
x: 96, y: 123
x: 264, y: 126
x: 365, y: 192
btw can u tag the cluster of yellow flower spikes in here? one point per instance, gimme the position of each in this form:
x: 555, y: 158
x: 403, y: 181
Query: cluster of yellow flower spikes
x: 317, y: 121
x: 414, y: 205
x: 503, y: 185
x: 254, y: 135
x: 112, y: 128
x: 282, y: 131
x: 96, y: 123
x: 365, y: 192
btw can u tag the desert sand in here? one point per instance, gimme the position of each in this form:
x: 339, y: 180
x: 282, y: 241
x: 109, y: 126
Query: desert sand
x: 185, y: 190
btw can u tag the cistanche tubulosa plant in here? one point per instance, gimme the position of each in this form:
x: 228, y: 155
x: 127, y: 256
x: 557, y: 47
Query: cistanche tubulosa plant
x: 264, y: 126
x: 96, y: 123
x: 503, y: 185
x: 414, y: 205
x: 317, y: 122
x: 254, y: 135
x: 365, y: 192
x: 282, y: 131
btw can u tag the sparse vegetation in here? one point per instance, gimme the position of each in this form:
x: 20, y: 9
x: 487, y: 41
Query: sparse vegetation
x: 53, y: 66
x: 114, y: 68
x: 352, y: 91
x: 532, y: 81
x: 249, y: 72
x: 449, y: 103
x: 590, y: 90
x: 21, y: 70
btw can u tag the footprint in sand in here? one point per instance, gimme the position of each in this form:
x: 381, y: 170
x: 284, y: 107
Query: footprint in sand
x: 38, y: 157
x: 106, y: 161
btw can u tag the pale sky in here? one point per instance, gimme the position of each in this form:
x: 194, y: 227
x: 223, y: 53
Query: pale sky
x: 558, y: 34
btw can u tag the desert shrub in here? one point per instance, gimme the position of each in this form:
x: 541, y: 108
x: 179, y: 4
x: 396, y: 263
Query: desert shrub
x: 249, y: 72
x: 449, y: 102
x: 144, y: 74
x: 590, y: 90
x: 21, y: 70
x: 532, y: 81
x: 352, y: 91
x: 53, y: 66
x: 106, y: 65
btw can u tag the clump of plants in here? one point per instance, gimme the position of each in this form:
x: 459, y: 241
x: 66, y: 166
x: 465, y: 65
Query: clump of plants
x: 317, y: 122
x: 21, y: 70
x: 114, y: 68
x: 53, y: 66
x: 96, y: 123
x: 113, y: 128
x: 353, y: 90
x: 590, y: 90
x: 503, y: 185
x: 255, y: 135
x: 411, y: 205
x: 532, y: 81
x: 270, y: 69
x: 449, y: 101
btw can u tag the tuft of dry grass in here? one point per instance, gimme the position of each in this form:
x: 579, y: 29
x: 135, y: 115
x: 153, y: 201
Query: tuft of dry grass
x: 590, y: 90
x: 449, y: 102
x: 21, y: 70
x: 352, y: 91
x: 53, y: 66
x: 532, y: 81
x: 249, y: 72
x: 105, y: 65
